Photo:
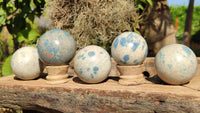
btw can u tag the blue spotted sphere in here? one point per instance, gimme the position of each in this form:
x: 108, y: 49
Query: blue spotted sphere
x: 92, y: 64
x: 176, y: 64
x: 56, y: 47
x: 129, y: 48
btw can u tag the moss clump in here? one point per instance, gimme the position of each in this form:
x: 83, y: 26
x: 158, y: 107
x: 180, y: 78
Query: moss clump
x: 95, y: 22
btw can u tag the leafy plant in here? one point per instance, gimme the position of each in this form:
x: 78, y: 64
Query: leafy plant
x: 6, y: 68
x: 142, y: 8
x: 28, y: 36
x: 18, y: 17
x: 180, y: 13
x: 1, y: 50
x: 139, y: 3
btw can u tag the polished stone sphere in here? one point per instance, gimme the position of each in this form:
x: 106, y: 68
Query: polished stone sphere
x: 92, y: 64
x: 56, y: 47
x: 25, y: 63
x: 129, y: 48
x: 176, y: 64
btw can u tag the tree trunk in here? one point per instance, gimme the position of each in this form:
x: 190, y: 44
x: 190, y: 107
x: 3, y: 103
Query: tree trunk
x: 157, y: 27
x: 5, y: 48
x: 16, y: 43
x: 188, y: 24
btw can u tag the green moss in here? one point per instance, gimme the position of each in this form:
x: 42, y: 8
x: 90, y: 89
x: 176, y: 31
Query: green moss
x: 93, y: 22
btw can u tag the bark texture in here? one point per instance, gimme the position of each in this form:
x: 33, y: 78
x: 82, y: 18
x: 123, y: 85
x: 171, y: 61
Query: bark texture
x: 188, y: 24
x: 108, y: 96
x: 157, y: 27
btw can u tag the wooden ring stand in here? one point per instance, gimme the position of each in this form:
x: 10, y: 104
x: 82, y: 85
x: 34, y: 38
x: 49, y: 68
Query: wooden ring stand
x: 131, y: 75
x: 57, y: 74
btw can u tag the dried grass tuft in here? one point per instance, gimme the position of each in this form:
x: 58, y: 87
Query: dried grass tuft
x: 95, y: 22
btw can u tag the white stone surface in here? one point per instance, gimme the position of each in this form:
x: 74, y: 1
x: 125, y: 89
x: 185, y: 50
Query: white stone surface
x: 92, y: 64
x: 129, y: 48
x: 176, y: 64
x: 25, y: 63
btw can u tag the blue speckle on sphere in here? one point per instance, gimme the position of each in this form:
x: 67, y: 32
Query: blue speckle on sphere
x: 80, y: 71
x: 129, y: 41
x: 55, y: 50
x: 126, y: 58
x: 142, y: 47
x: 144, y: 43
x: 50, y: 44
x: 60, y: 57
x: 116, y: 43
x: 130, y: 36
x: 95, y: 68
x: 59, y: 37
x: 83, y: 58
x: 67, y: 34
x: 122, y: 61
x: 46, y: 42
x: 123, y: 41
x: 169, y: 66
x: 80, y: 56
x: 88, y: 69
x: 135, y: 37
x: 135, y: 46
x: 183, y: 69
x: 91, y: 53
x: 135, y: 61
x: 191, y: 61
x: 40, y: 49
x: 49, y: 49
x: 92, y: 76
x: 187, y: 50
x: 163, y: 61
x: 101, y: 52
x: 161, y: 55
x: 182, y: 76
x: 54, y: 30
x: 145, y: 54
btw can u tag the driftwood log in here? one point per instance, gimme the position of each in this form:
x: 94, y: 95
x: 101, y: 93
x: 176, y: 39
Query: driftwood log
x: 108, y: 96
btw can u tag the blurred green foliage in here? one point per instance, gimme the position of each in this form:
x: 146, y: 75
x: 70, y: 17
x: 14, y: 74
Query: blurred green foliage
x: 6, y: 68
x: 2, y: 57
x: 139, y: 3
x: 180, y: 12
x: 18, y: 17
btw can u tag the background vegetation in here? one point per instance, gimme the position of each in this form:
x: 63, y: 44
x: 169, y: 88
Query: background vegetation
x: 180, y: 12
x: 17, y: 27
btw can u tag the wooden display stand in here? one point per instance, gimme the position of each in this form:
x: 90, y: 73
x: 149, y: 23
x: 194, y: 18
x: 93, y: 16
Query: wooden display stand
x: 132, y: 75
x: 57, y: 74
x: 107, y: 96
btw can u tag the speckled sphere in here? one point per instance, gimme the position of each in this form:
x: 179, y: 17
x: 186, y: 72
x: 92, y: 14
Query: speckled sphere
x: 92, y: 64
x: 25, y: 63
x: 56, y: 47
x: 176, y: 64
x: 129, y: 48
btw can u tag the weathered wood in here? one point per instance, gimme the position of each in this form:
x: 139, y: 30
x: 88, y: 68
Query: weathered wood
x: 108, y: 96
